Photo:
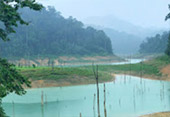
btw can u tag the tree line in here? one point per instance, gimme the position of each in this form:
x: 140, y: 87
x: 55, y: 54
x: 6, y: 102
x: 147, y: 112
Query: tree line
x: 50, y: 34
x: 155, y: 45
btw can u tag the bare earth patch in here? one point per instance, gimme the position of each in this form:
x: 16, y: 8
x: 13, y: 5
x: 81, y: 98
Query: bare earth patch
x: 162, y: 114
x: 166, y: 71
x: 47, y: 83
x: 67, y: 60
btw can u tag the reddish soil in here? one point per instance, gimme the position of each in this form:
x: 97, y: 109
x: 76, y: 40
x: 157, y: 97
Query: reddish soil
x: 166, y: 71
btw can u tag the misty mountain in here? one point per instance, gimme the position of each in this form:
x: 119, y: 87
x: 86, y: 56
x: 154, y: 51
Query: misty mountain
x: 122, y: 43
x: 121, y: 25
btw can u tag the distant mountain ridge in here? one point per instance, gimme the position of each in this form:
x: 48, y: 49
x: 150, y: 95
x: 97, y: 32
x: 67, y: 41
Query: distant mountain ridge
x: 122, y: 43
x: 112, y: 22
x: 126, y: 37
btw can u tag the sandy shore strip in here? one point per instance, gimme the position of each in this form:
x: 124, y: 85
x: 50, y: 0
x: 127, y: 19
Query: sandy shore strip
x: 161, y: 114
x: 62, y: 83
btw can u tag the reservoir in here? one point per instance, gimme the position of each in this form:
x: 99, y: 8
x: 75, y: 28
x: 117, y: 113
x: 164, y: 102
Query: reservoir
x: 127, y: 96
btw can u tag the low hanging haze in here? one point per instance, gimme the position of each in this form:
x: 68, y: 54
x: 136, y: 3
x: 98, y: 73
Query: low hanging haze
x: 144, y: 13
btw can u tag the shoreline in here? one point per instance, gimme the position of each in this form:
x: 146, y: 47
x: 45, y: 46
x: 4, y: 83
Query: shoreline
x: 66, y: 60
x: 52, y: 83
x: 146, y: 76
x: 158, y: 114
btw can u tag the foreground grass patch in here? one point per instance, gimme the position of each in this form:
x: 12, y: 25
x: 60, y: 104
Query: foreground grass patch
x: 75, y: 75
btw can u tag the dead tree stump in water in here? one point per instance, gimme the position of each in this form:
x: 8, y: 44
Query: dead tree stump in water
x: 94, y: 101
x: 13, y: 106
x: 95, y: 71
x: 105, y: 112
x: 42, y: 98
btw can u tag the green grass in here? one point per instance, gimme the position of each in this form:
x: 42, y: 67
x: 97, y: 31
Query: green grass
x: 61, y: 74
x: 151, y: 67
x: 137, y: 68
x: 84, y: 75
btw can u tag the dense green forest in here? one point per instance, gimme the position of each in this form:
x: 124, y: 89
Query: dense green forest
x: 155, y: 45
x: 50, y: 34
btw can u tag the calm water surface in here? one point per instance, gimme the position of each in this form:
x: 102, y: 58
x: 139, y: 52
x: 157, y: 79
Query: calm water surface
x: 127, y: 61
x: 127, y: 96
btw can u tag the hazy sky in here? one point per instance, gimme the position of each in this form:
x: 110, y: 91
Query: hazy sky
x: 146, y: 13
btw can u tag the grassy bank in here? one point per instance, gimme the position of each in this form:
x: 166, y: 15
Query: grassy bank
x: 151, y: 68
x: 62, y: 76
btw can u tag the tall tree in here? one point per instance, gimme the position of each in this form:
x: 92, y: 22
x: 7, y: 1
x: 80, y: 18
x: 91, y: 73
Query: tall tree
x: 168, y: 46
x: 10, y: 79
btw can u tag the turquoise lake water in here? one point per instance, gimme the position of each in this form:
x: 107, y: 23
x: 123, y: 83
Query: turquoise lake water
x: 127, y: 96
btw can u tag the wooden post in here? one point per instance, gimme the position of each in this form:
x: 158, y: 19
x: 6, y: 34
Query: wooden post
x: 52, y: 65
x: 130, y: 65
x: 42, y: 111
x: 42, y: 98
x: 13, y: 109
x: 105, y: 112
x: 45, y: 99
x: 141, y: 71
x: 94, y: 101
x: 95, y: 71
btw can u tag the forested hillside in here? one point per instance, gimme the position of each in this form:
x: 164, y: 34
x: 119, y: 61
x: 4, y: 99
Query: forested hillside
x: 154, y: 45
x: 50, y: 34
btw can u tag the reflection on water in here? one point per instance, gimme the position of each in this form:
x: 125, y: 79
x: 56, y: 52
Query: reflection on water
x: 127, y: 61
x: 127, y: 96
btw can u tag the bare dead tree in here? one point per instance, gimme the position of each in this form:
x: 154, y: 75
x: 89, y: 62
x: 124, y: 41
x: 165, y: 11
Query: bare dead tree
x: 13, y: 106
x: 141, y: 71
x: 45, y: 98
x: 94, y: 101
x: 52, y: 65
x: 95, y: 71
x: 130, y: 65
x: 42, y: 98
x: 105, y: 111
